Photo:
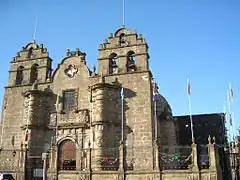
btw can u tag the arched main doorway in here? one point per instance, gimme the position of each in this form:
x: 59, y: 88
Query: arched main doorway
x: 67, y: 155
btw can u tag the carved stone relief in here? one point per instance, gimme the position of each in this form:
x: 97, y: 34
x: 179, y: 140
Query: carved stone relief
x: 99, y: 142
x: 81, y: 116
x: 71, y: 70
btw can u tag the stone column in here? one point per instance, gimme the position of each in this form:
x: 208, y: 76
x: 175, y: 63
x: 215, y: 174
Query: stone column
x: 52, y: 170
x: 98, y: 94
x: 194, y: 165
x: 30, y: 109
x: 52, y: 157
x: 104, y: 120
x: 79, y: 154
x: 156, y: 155
x: 98, y: 150
x: 212, y: 154
x: 121, y: 169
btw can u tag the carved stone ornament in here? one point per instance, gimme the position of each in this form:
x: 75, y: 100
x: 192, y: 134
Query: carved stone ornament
x: 99, y: 142
x: 71, y: 70
x: 82, y: 116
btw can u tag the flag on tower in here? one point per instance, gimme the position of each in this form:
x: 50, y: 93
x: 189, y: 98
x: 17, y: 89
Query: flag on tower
x: 230, y: 119
x: 122, y: 93
x: 188, y: 87
x: 231, y: 92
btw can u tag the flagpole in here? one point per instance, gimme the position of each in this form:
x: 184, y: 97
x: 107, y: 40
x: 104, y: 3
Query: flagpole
x: 225, y: 119
x: 231, y: 103
x: 123, y: 12
x: 191, y: 121
x: 35, y: 29
x: 190, y: 110
x: 230, y: 115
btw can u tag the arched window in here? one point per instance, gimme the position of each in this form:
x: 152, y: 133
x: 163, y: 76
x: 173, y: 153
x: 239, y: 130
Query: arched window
x: 122, y: 40
x: 113, y: 63
x: 131, y: 61
x: 67, y: 155
x: 30, y: 53
x: 34, y: 73
x: 19, y: 76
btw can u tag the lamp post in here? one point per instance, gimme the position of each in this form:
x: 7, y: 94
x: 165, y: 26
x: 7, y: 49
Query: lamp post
x: 44, y: 158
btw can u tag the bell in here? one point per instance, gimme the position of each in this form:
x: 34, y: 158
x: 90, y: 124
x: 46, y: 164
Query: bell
x: 131, y: 66
x: 114, y: 66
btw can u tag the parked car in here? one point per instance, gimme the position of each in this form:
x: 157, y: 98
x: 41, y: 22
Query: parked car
x: 6, y: 176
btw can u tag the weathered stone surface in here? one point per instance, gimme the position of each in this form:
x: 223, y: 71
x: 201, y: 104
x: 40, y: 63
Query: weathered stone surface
x: 95, y: 128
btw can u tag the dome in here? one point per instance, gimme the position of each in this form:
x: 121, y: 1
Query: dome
x: 163, y: 106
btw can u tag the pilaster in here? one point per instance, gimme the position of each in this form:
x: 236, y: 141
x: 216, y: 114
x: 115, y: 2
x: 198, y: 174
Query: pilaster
x: 194, y: 165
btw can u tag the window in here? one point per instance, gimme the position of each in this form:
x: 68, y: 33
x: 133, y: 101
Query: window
x: 131, y: 60
x: 69, y: 99
x: 19, y: 76
x: 34, y: 73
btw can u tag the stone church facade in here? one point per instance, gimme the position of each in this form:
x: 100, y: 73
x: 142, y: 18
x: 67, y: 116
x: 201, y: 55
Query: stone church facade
x: 92, y: 125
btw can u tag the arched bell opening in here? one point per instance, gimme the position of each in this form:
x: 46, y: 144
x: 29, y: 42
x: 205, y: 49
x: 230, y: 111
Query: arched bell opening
x: 113, y: 63
x: 30, y: 52
x: 122, y: 39
x: 19, y: 76
x: 131, y: 61
x: 34, y: 73
x: 67, y: 155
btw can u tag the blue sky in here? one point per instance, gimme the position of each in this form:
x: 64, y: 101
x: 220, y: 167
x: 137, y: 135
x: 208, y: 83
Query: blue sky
x: 197, y: 39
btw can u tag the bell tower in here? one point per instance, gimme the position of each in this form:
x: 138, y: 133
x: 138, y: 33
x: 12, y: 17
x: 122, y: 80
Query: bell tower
x: 123, y: 52
x: 31, y: 64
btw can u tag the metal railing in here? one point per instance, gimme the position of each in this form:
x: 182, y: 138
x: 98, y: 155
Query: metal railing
x: 203, y: 157
x: 175, y: 157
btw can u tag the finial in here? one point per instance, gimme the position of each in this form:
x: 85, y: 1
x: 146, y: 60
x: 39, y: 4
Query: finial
x: 77, y: 51
x: 100, y: 46
x: 67, y: 52
x: 111, y: 35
